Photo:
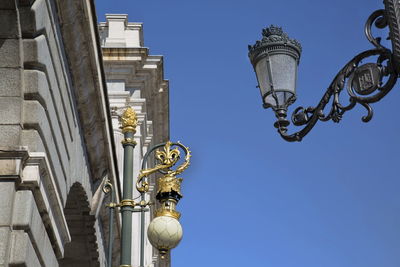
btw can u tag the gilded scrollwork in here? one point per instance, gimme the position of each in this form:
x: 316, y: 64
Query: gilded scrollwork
x: 167, y: 157
x: 107, y: 187
x: 185, y: 165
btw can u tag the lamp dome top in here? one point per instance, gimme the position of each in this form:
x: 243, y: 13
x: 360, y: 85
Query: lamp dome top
x: 273, y: 35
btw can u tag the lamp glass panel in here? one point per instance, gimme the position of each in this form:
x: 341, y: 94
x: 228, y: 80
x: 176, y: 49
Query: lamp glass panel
x: 279, y: 75
x: 262, y: 72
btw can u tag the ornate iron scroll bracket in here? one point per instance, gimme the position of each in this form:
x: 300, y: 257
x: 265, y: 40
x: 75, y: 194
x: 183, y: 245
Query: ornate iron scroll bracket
x: 365, y: 83
x: 108, y: 188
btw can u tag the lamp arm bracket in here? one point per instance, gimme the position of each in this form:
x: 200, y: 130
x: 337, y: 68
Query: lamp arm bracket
x: 130, y: 203
x: 168, y: 158
x: 366, y: 83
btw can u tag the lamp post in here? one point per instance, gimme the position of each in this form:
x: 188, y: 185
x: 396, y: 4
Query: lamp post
x: 165, y: 231
x: 128, y: 126
x: 276, y: 56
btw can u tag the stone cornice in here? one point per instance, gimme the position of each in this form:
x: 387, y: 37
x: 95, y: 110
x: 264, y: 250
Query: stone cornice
x: 84, y: 55
x: 38, y: 177
x: 124, y: 54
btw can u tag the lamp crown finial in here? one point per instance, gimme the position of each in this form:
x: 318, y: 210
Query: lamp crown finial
x: 273, y: 30
x: 274, y: 35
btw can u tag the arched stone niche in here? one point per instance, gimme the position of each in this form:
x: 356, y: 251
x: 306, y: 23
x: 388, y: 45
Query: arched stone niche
x: 83, y: 248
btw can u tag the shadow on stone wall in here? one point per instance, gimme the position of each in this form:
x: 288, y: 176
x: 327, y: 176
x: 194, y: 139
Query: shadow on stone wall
x: 83, y: 249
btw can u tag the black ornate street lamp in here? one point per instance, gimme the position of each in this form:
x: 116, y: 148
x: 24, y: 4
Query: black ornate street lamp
x: 275, y: 58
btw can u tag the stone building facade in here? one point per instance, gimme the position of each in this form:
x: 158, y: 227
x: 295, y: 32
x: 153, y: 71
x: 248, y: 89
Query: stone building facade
x: 135, y: 78
x: 56, y: 135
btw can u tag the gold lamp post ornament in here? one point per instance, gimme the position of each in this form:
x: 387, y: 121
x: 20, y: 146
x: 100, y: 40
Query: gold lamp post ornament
x: 128, y: 122
x: 165, y: 231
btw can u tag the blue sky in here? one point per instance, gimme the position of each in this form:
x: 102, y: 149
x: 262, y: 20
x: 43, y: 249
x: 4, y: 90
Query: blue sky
x: 250, y: 198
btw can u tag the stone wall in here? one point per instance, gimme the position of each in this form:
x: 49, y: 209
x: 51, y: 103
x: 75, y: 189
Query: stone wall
x: 56, y: 143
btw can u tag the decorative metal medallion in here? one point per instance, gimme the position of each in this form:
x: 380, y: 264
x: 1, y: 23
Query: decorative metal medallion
x: 366, y: 79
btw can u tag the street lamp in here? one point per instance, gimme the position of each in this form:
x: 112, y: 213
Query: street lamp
x: 275, y: 59
x: 165, y: 231
x: 276, y: 56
